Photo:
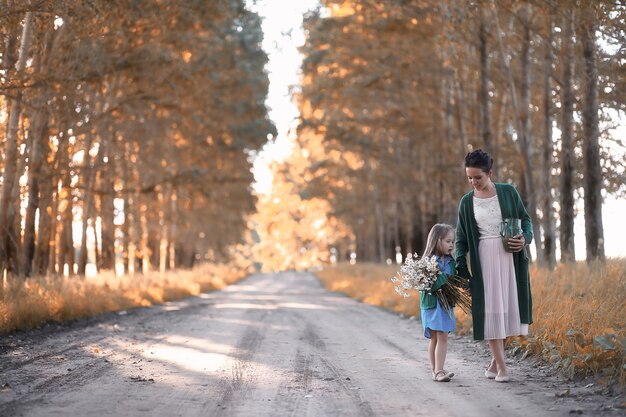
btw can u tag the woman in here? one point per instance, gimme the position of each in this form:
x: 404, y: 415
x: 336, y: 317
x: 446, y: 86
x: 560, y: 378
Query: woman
x: 501, y: 299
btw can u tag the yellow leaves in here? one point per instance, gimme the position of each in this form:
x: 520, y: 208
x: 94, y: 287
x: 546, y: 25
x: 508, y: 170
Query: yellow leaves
x: 63, y: 204
x: 318, y: 114
x: 347, y: 111
x: 584, y: 349
x: 346, y: 8
x: 186, y: 55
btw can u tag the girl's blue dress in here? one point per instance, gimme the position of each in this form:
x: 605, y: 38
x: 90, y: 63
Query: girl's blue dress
x: 437, y: 318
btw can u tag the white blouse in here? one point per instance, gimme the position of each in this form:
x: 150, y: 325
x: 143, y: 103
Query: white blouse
x: 488, y: 216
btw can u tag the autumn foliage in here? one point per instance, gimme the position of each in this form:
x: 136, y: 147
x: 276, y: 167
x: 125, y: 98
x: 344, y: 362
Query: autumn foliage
x: 130, y: 128
x: 394, y: 94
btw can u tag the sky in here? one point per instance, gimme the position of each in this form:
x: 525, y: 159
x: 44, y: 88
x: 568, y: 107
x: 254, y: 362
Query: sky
x: 282, y: 27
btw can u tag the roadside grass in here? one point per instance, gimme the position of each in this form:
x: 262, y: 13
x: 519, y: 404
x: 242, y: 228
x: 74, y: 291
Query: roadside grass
x: 57, y: 299
x: 578, y: 311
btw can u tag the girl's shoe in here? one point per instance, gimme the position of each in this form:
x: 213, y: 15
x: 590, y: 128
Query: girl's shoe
x: 490, y: 375
x: 442, y: 376
x: 449, y: 374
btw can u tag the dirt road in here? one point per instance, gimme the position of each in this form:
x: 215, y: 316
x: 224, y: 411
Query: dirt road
x: 272, y: 345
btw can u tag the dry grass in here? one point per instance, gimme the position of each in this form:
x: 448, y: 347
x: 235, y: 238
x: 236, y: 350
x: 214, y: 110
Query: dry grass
x: 45, y: 299
x: 579, y: 318
x: 578, y: 312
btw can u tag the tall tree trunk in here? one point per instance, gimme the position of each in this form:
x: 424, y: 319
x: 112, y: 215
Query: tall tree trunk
x: 509, y: 75
x: 144, y: 248
x: 487, y: 134
x: 129, y: 202
x: 9, y: 165
x: 380, y: 224
x: 88, y: 198
x: 163, y: 198
x: 53, y: 267
x: 65, y: 246
x: 107, y: 207
x: 173, y: 232
x: 522, y: 116
x: 14, y: 248
x: 594, y: 233
x: 460, y: 107
x: 525, y: 137
x: 43, y: 260
x: 568, y: 253
x: 549, y: 253
x: 38, y: 134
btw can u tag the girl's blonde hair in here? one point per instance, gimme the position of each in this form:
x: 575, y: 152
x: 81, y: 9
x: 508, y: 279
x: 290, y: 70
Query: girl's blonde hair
x: 436, y: 234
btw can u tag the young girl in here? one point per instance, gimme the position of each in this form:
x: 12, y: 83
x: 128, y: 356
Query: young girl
x: 437, y: 322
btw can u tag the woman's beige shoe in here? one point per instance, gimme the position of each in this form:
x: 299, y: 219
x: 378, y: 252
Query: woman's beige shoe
x: 503, y: 378
x: 490, y: 375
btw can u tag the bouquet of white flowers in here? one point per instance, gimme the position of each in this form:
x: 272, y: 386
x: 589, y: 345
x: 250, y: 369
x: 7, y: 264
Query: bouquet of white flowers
x: 416, y: 274
x: 420, y: 273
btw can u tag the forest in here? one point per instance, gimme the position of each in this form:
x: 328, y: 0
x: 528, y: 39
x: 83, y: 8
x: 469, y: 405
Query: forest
x: 394, y: 94
x: 130, y: 129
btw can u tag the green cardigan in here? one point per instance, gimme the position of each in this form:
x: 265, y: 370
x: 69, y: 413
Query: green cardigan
x: 430, y: 300
x: 467, y: 236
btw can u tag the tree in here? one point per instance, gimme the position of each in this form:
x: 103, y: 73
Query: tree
x: 566, y: 213
x: 594, y: 234
x: 128, y: 109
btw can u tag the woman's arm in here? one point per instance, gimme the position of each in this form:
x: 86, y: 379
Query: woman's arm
x: 527, y: 226
x: 461, y: 245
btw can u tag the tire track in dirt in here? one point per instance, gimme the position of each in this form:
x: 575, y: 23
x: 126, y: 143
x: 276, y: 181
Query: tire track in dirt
x: 242, y: 369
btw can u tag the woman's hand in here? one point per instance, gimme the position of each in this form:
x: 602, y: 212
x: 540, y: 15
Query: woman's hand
x: 517, y: 243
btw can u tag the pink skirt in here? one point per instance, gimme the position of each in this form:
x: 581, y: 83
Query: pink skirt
x: 502, y: 317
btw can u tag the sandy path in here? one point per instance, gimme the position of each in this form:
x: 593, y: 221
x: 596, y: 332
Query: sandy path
x: 272, y: 345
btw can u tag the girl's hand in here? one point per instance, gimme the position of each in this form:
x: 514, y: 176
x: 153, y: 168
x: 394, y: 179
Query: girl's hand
x: 517, y: 243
